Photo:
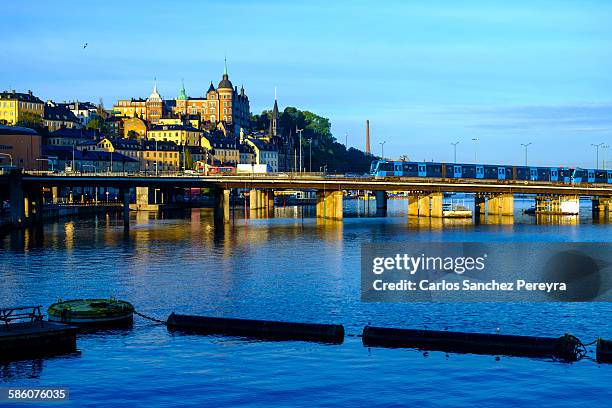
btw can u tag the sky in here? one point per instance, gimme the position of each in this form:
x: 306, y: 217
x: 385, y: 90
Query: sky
x: 425, y: 74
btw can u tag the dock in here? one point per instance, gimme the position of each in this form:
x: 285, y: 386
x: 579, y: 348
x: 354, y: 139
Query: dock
x: 23, y: 334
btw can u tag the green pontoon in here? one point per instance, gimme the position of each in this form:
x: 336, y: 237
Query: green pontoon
x: 92, y: 312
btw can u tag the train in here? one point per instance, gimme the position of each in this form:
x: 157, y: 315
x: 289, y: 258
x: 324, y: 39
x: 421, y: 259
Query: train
x: 388, y: 168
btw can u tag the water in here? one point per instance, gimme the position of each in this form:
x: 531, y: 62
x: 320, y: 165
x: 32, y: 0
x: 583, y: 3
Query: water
x: 294, y: 268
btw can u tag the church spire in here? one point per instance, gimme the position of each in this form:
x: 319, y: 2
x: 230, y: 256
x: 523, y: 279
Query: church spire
x: 225, y: 66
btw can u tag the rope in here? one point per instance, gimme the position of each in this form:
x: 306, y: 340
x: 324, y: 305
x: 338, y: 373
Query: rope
x: 150, y: 318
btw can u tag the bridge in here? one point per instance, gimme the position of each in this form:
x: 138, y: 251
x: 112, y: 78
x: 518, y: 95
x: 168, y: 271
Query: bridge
x: 425, y: 195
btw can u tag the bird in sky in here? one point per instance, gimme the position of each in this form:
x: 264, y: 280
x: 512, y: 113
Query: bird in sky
x: 84, y: 45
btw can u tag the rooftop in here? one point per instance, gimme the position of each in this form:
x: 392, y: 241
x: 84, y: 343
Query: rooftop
x: 25, y: 97
x: 16, y: 130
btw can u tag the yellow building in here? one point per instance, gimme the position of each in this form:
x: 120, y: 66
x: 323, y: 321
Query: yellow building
x: 159, y: 156
x: 13, y: 106
x: 131, y: 108
x: 137, y: 125
x: 179, y: 134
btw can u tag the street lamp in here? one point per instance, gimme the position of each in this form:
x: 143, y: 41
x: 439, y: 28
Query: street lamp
x: 310, y: 155
x: 605, y: 147
x: 9, y: 156
x: 300, y: 132
x: 382, y: 149
x: 597, y: 146
x: 455, y: 150
x: 475, y: 140
x: 526, y: 145
x: 346, y: 140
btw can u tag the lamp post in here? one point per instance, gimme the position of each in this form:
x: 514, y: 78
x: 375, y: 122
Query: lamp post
x: 382, y: 149
x: 9, y: 156
x: 475, y: 140
x: 605, y: 147
x: 346, y: 140
x: 455, y: 150
x: 300, y: 132
x: 310, y: 155
x: 526, y: 145
x: 597, y: 146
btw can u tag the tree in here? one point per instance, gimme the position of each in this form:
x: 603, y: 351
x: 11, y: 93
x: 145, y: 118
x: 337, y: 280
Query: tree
x: 32, y: 121
x: 326, y: 151
x: 132, y: 134
x: 99, y: 124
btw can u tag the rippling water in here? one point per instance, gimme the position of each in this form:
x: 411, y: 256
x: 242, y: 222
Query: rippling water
x: 289, y: 267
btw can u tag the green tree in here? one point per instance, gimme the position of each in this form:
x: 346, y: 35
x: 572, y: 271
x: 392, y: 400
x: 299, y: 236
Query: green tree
x: 32, y: 121
x: 98, y: 123
x: 326, y: 151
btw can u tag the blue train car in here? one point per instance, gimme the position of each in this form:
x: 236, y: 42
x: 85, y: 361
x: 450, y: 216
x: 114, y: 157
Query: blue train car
x: 387, y: 168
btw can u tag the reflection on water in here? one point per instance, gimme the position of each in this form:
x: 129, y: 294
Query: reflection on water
x: 291, y: 267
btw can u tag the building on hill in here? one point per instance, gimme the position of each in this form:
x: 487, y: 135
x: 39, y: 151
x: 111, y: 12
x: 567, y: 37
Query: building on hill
x: 84, y: 111
x: 21, y: 148
x: 179, y: 134
x: 159, y: 156
x: 131, y: 108
x: 57, y: 116
x: 225, y: 103
x: 14, y: 106
x: 247, y: 154
x: 225, y: 149
x: 265, y: 153
x: 127, y: 147
x: 70, y: 137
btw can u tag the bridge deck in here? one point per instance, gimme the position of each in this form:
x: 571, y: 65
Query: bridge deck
x: 321, y: 183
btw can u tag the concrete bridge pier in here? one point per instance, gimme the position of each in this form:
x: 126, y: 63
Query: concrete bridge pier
x: 261, y: 199
x: 381, y: 202
x: 501, y: 204
x: 124, y: 194
x: 602, y: 207
x: 425, y: 205
x: 329, y: 205
x: 18, y: 202
x: 221, y: 199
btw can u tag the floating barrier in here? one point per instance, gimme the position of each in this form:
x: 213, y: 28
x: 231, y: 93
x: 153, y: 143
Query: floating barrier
x: 92, y: 312
x: 604, y: 351
x: 566, y: 347
x: 327, y: 333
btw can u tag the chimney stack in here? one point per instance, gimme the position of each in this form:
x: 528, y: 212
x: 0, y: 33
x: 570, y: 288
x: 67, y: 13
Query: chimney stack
x: 367, y: 146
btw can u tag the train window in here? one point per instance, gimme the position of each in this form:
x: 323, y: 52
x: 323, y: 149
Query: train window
x: 479, y: 170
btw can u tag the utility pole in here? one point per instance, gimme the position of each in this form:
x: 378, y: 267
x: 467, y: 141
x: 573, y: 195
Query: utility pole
x: 526, y: 145
x: 455, y: 150
x: 346, y: 140
x: 382, y: 149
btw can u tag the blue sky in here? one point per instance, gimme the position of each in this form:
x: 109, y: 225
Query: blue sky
x: 425, y: 73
